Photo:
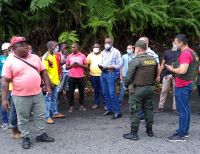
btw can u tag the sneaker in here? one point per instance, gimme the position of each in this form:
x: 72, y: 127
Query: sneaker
x: 158, y: 110
x: 5, y: 126
x: 26, y: 144
x: 71, y: 109
x: 95, y: 106
x: 187, y: 135
x: 176, y: 138
x: 50, y: 121
x: 82, y: 108
x: 44, y: 138
x: 59, y: 115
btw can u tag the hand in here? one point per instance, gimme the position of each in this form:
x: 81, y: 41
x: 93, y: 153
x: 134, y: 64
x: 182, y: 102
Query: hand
x: 158, y: 79
x: 169, y: 67
x: 121, y: 77
x: 48, y: 91
x: 5, y: 105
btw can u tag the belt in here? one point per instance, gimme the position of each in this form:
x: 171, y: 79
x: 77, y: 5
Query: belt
x: 108, y: 71
x: 144, y: 85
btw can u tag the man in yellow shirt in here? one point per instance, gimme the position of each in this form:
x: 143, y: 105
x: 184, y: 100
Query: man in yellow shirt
x: 93, y: 59
x: 49, y: 60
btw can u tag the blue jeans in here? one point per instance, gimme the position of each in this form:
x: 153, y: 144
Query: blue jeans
x: 122, y: 92
x: 108, y: 83
x: 4, y: 116
x: 13, y: 114
x: 182, y: 96
x: 51, y: 103
x: 64, y: 82
x: 96, y: 85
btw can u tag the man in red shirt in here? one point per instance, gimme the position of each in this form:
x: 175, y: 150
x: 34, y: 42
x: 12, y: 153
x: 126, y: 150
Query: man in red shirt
x: 184, y: 69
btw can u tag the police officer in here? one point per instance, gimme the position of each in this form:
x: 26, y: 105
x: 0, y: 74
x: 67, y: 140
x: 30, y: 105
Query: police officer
x: 140, y: 78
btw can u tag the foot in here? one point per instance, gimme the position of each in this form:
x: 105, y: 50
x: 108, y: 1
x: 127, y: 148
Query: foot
x: 50, y: 121
x: 59, y: 115
x: 26, y: 143
x: 105, y: 108
x: 176, y: 138
x: 149, y: 132
x: 5, y: 126
x: 15, y: 133
x: 108, y: 113
x: 95, y: 106
x: 71, y: 109
x: 187, y: 135
x: 131, y: 136
x: 175, y: 112
x: 158, y: 110
x: 82, y: 108
x: 117, y: 116
x: 44, y: 138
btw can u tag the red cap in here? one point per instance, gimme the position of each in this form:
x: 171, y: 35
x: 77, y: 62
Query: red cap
x: 17, y: 39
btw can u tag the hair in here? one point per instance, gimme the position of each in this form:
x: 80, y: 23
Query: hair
x: 76, y: 44
x: 49, y: 44
x: 146, y: 39
x: 182, y: 38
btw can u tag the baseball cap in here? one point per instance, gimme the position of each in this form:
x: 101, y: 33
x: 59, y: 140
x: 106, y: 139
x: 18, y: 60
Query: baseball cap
x: 5, y: 46
x: 17, y: 39
x: 141, y: 44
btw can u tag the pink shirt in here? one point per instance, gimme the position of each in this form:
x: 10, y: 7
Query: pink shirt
x: 76, y: 72
x: 25, y: 79
x: 184, y: 58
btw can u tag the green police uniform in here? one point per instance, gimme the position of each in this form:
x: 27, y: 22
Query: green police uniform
x: 140, y: 80
x: 141, y: 74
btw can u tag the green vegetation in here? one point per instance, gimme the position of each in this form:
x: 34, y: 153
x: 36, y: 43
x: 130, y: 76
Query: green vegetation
x: 92, y: 20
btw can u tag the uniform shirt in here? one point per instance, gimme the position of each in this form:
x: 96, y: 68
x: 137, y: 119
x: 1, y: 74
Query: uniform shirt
x: 152, y: 53
x: 126, y: 58
x: 51, y: 67
x: 111, y: 58
x: 25, y: 79
x: 76, y: 72
x: 93, y: 60
x: 2, y: 61
x: 184, y: 58
x: 133, y: 65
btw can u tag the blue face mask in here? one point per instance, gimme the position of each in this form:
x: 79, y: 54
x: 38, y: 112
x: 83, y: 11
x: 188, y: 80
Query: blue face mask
x: 129, y: 51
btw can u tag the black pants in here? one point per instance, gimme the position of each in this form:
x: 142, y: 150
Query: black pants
x: 73, y: 82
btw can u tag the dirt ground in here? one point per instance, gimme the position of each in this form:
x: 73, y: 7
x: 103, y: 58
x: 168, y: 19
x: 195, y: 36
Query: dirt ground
x: 91, y: 133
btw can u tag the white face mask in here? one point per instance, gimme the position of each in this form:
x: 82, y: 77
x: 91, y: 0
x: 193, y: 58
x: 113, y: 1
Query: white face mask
x: 56, y: 49
x: 107, y: 46
x: 175, y: 47
x: 129, y: 51
x: 96, y: 50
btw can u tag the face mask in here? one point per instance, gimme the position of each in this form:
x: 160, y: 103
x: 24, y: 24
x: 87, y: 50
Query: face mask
x: 175, y: 47
x: 56, y: 49
x: 129, y: 51
x: 96, y: 50
x: 107, y: 46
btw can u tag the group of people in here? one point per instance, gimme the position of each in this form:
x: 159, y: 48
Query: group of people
x: 31, y: 85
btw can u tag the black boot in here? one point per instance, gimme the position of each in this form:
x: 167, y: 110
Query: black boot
x: 26, y: 143
x: 132, y: 135
x: 149, y: 131
x: 44, y: 138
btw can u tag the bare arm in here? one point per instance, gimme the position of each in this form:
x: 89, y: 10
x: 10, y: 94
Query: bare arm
x: 46, y: 80
x: 5, y: 90
x: 162, y: 66
x: 182, y: 69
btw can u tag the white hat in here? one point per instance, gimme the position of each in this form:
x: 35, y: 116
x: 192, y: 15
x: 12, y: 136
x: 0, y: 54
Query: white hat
x: 5, y: 46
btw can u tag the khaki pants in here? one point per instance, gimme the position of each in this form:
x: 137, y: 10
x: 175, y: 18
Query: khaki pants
x: 24, y: 105
x: 166, y: 84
